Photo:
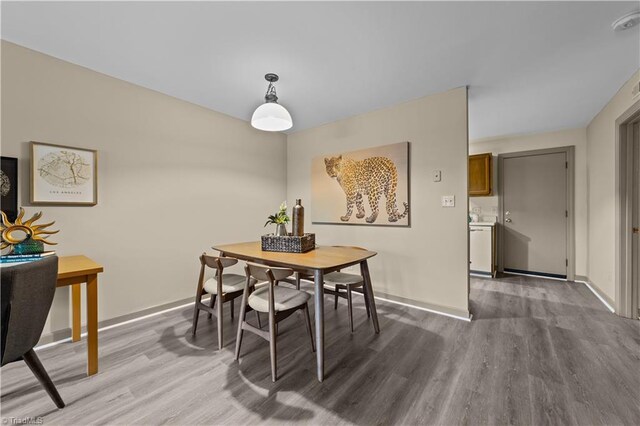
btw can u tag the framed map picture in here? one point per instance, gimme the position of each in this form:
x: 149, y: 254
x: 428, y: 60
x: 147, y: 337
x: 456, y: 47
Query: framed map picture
x: 63, y: 175
x: 9, y: 187
x: 365, y: 187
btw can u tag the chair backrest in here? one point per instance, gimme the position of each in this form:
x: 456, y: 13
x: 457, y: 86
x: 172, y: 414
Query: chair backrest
x: 27, y: 294
x: 268, y: 273
x: 216, y: 262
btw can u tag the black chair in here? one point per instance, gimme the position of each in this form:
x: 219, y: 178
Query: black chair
x: 27, y: 294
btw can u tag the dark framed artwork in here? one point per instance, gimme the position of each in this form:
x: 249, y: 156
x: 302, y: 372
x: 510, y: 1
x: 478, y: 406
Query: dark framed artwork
x: 9, y: 187
x: 63, y: 175
x: 365, y: 187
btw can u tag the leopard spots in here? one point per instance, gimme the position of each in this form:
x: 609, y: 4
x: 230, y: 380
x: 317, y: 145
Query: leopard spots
x: 372, y: 177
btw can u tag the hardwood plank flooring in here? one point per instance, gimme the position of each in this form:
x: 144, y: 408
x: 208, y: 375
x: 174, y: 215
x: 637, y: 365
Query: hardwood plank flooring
x: 537, y: 352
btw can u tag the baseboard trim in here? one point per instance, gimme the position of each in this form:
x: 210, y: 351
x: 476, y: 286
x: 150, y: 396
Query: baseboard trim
x: 606, y: 300
x: 64, y: 335
x: 429, y: 307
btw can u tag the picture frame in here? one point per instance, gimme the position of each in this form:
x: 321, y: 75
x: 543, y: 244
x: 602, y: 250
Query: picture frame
x: 366, y: 187
x: 9, y: 187
x: 63, y: 175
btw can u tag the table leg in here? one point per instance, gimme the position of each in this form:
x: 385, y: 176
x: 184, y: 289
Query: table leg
x: 92, y: 324
x: 318, y: 279
x: 364, y: 270
x: 75, y: 312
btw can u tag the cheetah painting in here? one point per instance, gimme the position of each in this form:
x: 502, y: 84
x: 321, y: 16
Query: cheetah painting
x: 363, y: 179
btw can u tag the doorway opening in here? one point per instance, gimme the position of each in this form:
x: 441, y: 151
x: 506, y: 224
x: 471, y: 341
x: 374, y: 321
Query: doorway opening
x: 628, y: 213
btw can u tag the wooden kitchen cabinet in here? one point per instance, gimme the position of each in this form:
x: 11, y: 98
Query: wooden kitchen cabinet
x: 480, y: 174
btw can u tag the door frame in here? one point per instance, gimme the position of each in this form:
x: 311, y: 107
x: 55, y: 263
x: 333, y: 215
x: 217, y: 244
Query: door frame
x: 624, y: 212
x: 569, y: 151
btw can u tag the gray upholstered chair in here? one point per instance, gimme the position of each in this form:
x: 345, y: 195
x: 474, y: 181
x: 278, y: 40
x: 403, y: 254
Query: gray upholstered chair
x: 221, y: 287
x: 27, y: 294
x: 277, y: 301
x: 341, y: 284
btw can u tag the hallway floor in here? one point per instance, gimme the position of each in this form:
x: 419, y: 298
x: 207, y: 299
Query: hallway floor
x: 536, y: 352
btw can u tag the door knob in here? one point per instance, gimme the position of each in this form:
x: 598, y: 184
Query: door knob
x: 508, y: 220
x: 636, y: 230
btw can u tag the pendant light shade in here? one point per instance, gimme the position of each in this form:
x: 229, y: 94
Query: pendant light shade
x: 271, y: 116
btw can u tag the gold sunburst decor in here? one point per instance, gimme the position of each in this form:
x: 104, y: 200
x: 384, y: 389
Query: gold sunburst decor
x: 28, y: 229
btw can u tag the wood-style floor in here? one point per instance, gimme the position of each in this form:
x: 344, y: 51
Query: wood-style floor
x: 537, y: 352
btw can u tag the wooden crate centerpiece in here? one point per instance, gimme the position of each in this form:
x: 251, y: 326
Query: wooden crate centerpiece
x: 289, y: 243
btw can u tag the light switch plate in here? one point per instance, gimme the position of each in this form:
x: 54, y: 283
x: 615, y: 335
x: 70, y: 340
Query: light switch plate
x: 448, y: 201
x: 437, y: 175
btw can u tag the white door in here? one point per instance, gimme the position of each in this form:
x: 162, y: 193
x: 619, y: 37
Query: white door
x: 535, y: 214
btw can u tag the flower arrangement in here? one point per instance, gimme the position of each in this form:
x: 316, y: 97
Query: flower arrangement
x: 280, y: 218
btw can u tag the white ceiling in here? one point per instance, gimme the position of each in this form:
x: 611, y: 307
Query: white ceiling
x: 530, y: 67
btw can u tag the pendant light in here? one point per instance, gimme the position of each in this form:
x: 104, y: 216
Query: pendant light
x: 271, y: 116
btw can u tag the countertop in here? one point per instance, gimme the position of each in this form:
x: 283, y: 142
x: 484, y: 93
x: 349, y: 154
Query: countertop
x: 482, y: 223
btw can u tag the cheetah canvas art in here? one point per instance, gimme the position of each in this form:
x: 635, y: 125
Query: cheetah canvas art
x: 367, y: 187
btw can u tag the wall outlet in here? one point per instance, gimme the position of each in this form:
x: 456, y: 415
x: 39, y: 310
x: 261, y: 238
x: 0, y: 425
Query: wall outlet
x: 437, y: 175
x: 448, y: 201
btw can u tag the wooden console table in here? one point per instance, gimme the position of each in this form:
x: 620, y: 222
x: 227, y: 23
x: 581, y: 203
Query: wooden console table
x: 73, y: 271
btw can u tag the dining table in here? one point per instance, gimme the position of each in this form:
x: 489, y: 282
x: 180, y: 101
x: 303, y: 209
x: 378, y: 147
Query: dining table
x: 317, y: 263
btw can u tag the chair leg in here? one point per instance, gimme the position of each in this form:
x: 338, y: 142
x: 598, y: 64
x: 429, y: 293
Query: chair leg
x: 196, y: 314
x: 32, y: 361
x: 350, y: 306
x: 220, y: 318
x: 212, y: 301
x: 259, y: 322
x: 297, y: 280
x: 272, y: 346
x: 233, y: 302
x: 241, y: 320
x: 309, y: 328
x: 335, y: 300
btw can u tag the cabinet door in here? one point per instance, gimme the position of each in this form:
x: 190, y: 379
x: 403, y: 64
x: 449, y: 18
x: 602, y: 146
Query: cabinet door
x: 480, y: 174
x: 481, y: 249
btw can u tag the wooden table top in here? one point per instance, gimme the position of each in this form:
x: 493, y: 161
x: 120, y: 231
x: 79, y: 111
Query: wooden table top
x: 74, y: 266
x: 323, y: 257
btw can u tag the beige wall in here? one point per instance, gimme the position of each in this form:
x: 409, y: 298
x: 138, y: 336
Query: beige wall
x: 601, y: 149
x: 427, y: 263
x: 173, y: 177
x: 572, y: 137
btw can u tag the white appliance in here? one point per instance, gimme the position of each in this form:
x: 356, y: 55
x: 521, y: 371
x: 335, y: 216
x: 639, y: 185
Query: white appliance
x: 481, y: 248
